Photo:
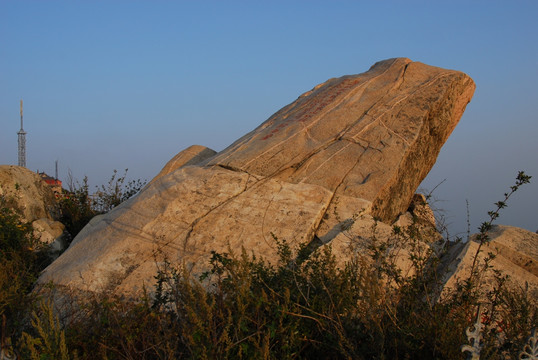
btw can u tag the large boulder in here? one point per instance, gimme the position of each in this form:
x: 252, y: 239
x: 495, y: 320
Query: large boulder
x: 358, y: 145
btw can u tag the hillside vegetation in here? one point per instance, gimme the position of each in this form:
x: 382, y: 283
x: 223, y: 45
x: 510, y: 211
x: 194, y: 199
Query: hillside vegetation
x: 305, y: 306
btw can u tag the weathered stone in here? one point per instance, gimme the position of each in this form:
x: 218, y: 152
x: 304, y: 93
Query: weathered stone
x: 48, y: 230
x: 373, y: 136
x: 26, y: 192
x: 233, y: 210
x: 358, y: 144
x: 51, y: 233
x: 516, y: 255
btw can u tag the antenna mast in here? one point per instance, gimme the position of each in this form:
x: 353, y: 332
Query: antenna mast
x: 22, y: 144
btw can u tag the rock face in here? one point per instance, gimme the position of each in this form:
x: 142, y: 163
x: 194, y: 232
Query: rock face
x: 516, y: 253
x: 26, y: 192
x: 358, y: 144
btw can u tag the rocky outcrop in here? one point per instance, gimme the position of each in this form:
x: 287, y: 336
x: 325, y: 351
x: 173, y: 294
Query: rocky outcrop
x: 355, y: 146
x: 516, y: 255
x: 25, y: 192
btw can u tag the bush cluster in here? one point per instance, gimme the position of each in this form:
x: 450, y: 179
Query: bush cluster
x: 78, y: 206
x: 243, y: 308
x: 22, y: 257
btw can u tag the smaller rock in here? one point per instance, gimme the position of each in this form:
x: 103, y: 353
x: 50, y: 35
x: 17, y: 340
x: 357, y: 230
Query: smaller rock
x: 48, y: 230
x: 25, y: 192
x: 419, y: 207
x: 422, y: 217
x: 52, y: 233
x: 516, y: 255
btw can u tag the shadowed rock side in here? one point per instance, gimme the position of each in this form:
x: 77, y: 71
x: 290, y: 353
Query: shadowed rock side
x: 356, y: 144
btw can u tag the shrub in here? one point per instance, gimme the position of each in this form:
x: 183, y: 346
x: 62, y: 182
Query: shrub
x: 49, y: 342
x: 22, y: 257
x: 78, y: 206
x: 75, y: 208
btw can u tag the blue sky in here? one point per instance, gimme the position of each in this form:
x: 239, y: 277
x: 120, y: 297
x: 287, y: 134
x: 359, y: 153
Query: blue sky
x: 128, y: 84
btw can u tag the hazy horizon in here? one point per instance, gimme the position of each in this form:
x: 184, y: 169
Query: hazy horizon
x: 116, y: 84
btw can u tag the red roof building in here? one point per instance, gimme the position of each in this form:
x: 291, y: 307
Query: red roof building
x: 55, y: 184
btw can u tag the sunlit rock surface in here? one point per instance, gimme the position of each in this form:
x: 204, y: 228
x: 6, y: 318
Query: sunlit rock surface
x: 515, y: 253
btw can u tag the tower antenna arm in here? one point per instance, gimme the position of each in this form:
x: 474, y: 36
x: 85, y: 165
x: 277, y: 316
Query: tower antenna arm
x: 21, y: 115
